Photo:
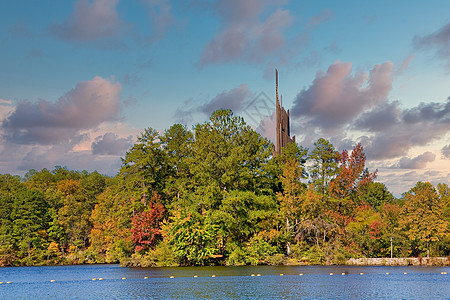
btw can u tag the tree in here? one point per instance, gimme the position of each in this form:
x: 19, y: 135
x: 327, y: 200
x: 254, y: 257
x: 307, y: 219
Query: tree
x: 289, y: 199
x: 177, y: 143
x: 111, y: 230
x: 228, y: 154
x: 193, y: 238
x: 145, y: 229
x: 422, y: 215
x: 145, y: 166
x: 353, y: 175
x: 376, y: 194
x: 29, y: 221
x: 325, y: 164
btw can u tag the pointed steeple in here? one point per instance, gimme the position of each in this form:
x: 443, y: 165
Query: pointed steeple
x: 276, y: 85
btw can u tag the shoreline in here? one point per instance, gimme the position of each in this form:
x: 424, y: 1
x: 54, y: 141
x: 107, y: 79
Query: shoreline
x: 402, y: 261
x: 364, y: 261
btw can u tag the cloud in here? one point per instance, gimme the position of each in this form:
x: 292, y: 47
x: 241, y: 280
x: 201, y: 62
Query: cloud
x: 356, y: 107
x: 111, y: 144
x: 336, y: 97
x: 380, y: 118
x: 34, y: 54
x: 438, y: 41
x: 242, y: 35
x: 5, y: 102
x: 324, y: 16
x: 86, y: 106
x: 446, y: 151
x: 91, y: 21
x: 19, y: 29
x: 404, y: 64
x: 267, y: 127
x: 228, y: 99
x: 418, y: 162
x: 232, y: 99
x: 161, y: 18
x: 417, y: 126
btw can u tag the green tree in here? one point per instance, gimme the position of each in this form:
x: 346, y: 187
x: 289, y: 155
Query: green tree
x: 177, y: 143
x: 376, y: 194
x: 324, y: 166
x: 193, y: 238
x: 145, y: 166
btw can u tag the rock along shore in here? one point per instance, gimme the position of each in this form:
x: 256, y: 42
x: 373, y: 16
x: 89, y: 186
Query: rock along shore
x: 403, y: 261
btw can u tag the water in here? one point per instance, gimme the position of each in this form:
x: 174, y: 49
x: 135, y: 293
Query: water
x: 75, y: 282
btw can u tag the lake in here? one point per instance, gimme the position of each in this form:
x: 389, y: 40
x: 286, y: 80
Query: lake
x: 249, y: 282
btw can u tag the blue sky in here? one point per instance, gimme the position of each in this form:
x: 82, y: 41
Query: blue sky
x: 80, y: 79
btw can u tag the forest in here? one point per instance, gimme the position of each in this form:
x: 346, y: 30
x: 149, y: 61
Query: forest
x: 216, y: 195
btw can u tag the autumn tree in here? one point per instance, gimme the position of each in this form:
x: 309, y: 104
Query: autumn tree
x: 422, y: 215
x: 145, y: 230
x: 289, y: 199
x: 111, y: 223
x: 353, y: 175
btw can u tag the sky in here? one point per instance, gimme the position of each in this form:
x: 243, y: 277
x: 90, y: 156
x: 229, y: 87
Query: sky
x: 79, y: 80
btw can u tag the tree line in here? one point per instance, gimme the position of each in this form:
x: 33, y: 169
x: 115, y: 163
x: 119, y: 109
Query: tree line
x: 215, y: 195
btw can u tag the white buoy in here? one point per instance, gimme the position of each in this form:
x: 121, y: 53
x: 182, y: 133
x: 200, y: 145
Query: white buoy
x: 387, y: 273
x: 252, y: 275
x: 195, y: 276
x: 343, y: 273
x: 281, y: 274
x: 258, y: 274
x: 361, y: 273
x: 94, y: 278
x: 172, y: 276
x: 145, y: 277
x: 213, y: 275
x: 301, y: 274
x: 100, y: 279
x: 52, y: 280
x: 331, y: 274
x: 405, y: 273
x: 123, y: 278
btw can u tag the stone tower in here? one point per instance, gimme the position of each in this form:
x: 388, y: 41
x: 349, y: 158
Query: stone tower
x: 283, y: 130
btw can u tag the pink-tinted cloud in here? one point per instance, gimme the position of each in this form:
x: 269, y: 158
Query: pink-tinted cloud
x: 86, y: 106
x: 339, y: 106
x: 404, y: 64
x: 267, y: 127
x: 111, y: 144
x: 418, y: 162
x: 403, y: 128
x: 337, y: 97
x: 91, y: 21
x: 242, y: 35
